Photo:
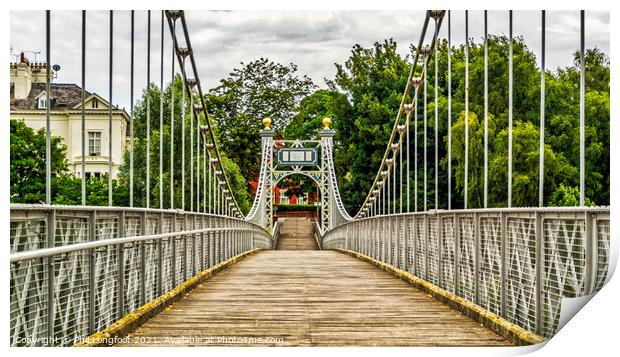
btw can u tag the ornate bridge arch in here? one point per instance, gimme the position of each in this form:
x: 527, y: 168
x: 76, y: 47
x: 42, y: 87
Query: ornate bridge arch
x: 312, y: 158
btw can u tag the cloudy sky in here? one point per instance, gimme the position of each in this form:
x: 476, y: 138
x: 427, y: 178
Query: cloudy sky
x: 314, y: 40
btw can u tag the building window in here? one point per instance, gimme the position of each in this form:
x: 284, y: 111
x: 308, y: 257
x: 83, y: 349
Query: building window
x: 94, y: 143
x: 96, y: 175
x: 42, y: 102
x: 95, y: 103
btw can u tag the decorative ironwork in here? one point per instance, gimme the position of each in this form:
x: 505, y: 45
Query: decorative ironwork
x: 105, y: 262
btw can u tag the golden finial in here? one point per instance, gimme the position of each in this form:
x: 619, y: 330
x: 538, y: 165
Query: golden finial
x: 267, y: 123
x: 326, y: 122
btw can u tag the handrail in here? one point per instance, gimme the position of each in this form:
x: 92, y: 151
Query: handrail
x: 318, y: 234
x: 47, y: 252
x: 502, y: 210
x: 276, y: 231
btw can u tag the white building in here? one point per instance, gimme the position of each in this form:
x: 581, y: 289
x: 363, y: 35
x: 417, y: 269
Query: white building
x: 28, y: 103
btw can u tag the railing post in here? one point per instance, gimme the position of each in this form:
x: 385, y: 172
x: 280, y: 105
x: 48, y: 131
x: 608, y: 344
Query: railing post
x: 405, y: 232
x: 390, y: 252
x: 210, y: 252
x: 539, y: 269
x: 590, y: 245
x: 202, y: 244
x: 92, y: 235
x: 51, y: 241
x: 425, y: 246
x: 457, y: 247
x: 120, y: 298
x: 160, y: 257
x: 173, y: 239
x: 143, y: 224
x: 383, y: 240
x: 415, y: 245
x: 477, y: 248
x: 503, y: 223
x: 184, y: 237
x: 440, y: 240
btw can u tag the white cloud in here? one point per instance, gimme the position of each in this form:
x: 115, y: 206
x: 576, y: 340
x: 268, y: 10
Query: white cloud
x: 314, y: 40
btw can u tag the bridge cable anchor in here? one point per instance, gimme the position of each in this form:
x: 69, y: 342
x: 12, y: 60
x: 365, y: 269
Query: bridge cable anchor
x: 173, y: 14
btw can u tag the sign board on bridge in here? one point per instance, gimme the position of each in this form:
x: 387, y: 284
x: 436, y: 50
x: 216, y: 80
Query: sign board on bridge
x: 297, y: 156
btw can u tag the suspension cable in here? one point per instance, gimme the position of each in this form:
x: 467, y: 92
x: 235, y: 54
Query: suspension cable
x: 541, y: 172
x: 131, y: 118
x: 202, y: 102
x: 424, y: 108
x: 83, y: 159
x: 183, y: 118
x: 510, y: 106
x: 466, y: 177
x: 161, y: 117
x: 486, y: 111
x: 172, y: 117
x: 191, y: 149
x: 415, y: 155
x: 436, y: 75
x: 449, y: 111
x: 148, y: 111
x: 48, y: 126
x: 400, y: 110
x: 582, y: 112
x: 198, y: 143
x: 110, y: 109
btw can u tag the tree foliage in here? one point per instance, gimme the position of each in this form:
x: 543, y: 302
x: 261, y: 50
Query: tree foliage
x: 373, y: 80
x: 363, y: 99
x: 195, y: 168
x: 259, y: 89
x: 28, y: 171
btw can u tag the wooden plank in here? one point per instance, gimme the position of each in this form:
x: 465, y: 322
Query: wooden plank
x: 296, y: 234
x: 309, y: 298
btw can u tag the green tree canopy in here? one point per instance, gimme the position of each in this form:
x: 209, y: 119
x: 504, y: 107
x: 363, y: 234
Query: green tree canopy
x: 28, y: 163
x: 259, y: 89
x: 373, y: 80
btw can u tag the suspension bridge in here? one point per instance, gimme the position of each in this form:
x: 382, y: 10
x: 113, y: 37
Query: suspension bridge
x: 392, y: 274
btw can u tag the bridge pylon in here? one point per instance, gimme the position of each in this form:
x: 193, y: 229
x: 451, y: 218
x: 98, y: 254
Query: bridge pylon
x: 312, y: 158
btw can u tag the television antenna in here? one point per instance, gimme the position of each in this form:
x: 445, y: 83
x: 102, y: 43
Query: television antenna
x: 17, y: 53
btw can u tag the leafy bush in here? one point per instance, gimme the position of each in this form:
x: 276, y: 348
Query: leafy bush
x: 290, y: 208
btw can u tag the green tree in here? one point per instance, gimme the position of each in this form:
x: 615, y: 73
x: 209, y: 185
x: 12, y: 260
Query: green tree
x: 28, y: 171
x: 121, y: 191
x: 28, y: 163
x: 373, y: 79
x: 567, y: 196
x: 313, y: 108
x: 238, y: 184
x: 259, y: 89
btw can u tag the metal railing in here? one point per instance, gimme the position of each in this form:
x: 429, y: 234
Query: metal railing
x: 318, y: 234
x: 515, y: 262
x: 76, y: 270
x: 276, y: 231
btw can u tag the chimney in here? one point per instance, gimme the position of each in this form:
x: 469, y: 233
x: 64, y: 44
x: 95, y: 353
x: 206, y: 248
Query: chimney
x: 23, y: 59
x: 21, y: 78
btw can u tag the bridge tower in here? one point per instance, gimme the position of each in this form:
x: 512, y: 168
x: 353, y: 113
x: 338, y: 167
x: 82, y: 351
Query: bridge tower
x: 311, y: 158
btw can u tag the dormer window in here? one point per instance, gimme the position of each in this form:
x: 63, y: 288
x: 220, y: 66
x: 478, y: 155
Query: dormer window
x: 42, y: 102
x: 94, y: 103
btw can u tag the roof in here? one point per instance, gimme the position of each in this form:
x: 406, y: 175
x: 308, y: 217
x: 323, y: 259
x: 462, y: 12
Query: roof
x: 64, y: 96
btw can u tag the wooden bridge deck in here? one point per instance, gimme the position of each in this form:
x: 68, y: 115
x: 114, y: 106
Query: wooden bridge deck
x: 310, y: 298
